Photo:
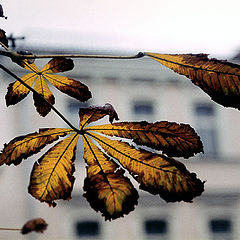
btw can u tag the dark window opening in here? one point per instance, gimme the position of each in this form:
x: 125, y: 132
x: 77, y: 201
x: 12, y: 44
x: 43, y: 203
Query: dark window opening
x: 142, y: 80
x: 87, y: 228
x: 209, y: 139
x: 145, y: 108
x: 156, y: 226
x: 220, y: 226
x: 204, y: 110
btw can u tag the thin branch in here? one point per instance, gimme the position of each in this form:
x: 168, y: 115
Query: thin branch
x: 11, y: 229
x: 40, y: 96
x: 139, y: 55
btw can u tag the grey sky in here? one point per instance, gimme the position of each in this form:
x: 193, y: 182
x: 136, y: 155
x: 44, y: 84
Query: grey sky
x: 210, y: 26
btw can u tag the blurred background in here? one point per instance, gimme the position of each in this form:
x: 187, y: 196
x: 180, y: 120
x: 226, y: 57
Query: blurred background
x: 139, y: 89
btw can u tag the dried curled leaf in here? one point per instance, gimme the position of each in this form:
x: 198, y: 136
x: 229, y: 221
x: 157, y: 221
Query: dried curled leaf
x: 24, y: 146
x: 38, y: 80
x: 52, y: 175
x: 3, y: 37
x: 107, y: 189
x: 156, y: 173
x: 94, y: 113
x: 219, y: 79
x: 179, y: 140
x: 37, y: 225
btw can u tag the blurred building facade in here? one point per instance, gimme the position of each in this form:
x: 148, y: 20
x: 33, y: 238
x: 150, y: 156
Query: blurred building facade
x: 139, y: 89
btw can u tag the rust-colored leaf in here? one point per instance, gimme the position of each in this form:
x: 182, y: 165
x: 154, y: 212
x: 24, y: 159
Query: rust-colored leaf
x: 107, y: 189
x: 24, y: 146
x: 156, y: 173
x: 52, y: 175
x: 38, y: 225
x: 94, y: 113
x: 179, y: 140
x: 219, y: 79
x: 56, y: 65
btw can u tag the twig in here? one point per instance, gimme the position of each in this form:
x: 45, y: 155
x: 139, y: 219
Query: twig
x: 11, y: 229
x: 39, y: 95
x: 9, y: 54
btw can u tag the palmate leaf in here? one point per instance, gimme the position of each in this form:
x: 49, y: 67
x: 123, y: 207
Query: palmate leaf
x: 219, y: 79
x: 156, y: 173
x: 176, y: 140
x: 106, y: 187
x: 24, y: 146
x: 39, y: 78
x: 52, y: 175
x: 107, y: 190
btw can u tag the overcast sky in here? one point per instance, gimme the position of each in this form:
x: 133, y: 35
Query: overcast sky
x: 128, y: 25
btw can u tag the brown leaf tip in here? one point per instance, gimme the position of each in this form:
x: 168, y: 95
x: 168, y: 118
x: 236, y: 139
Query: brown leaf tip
x: 61, y: 64
x: 37, y: 224
x: 108, y: 109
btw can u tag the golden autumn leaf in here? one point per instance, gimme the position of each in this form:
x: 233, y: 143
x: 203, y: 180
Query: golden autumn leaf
x: 52, y: 175
x: 107, y: 190
x: 24, y: 146
x: 156, y: 173
x: 39, y: 78
x: 178, y: 140
x: 219, y: 79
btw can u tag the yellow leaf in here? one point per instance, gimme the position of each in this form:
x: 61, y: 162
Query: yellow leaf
x: 24, y: 146
x: 69, y: 86
x: 96, y: 160
x: 107, y: 190
x: 179, y: 140
x: 156, y: 173
x: 219, y: 79
x: 16, y: 91
x: 52, y: 176
x: 42, y: 88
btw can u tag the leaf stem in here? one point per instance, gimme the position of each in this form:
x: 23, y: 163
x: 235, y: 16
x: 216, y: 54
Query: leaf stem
x: 9, y: 54
x: 10, y: 229
x: 40, y: 96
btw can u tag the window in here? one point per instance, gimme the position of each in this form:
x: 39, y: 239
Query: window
x: 220, y: 229
x: 143, y: 108
x: 156, y: 226
x: 156, y: 229
x: 205, y: 118
x: 87, y: 229
x: 141, y: 80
